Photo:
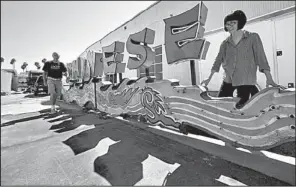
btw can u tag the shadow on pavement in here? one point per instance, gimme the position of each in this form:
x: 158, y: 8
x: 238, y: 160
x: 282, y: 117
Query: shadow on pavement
x: 126, y: 159
x: 45, y: 114
x: 37, y: 96
x: 71, y: 120
x: 22, y: 120
x: 45, y: 103
x: 124, y: 162
x: 42, y: 114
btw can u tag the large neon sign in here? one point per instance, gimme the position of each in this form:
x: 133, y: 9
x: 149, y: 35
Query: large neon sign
x: 183, y: 41
x: 169, y: 104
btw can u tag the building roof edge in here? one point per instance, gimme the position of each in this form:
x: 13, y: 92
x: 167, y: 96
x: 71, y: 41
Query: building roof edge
x: 122, y: 25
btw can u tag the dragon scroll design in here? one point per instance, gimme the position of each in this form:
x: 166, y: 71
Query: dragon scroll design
x: 156, y: 109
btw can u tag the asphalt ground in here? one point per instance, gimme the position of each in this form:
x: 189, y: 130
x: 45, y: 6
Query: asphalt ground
x: 77, y: 148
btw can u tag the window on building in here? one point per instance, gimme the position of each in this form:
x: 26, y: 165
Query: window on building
x: 156, y: 68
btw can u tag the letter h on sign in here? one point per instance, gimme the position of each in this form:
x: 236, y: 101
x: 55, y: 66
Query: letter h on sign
x: 112, y: 58
x: 184, y: 35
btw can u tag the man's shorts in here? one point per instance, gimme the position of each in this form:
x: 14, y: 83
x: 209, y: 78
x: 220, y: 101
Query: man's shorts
x: 54, y: 86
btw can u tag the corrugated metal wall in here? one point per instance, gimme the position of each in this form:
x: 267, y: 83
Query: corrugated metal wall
x: 216, y: 14
x: 153, y: 19
x: 253, y: 9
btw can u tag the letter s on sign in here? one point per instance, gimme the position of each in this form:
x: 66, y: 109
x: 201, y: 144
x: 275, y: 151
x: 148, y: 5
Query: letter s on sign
x: 145, y: 55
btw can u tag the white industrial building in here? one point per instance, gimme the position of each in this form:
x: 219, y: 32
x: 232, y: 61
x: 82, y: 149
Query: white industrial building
x: 274, y: 21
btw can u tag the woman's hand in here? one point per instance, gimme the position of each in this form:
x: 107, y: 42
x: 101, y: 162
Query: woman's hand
x: 206, y: 82
x: 270, y: 82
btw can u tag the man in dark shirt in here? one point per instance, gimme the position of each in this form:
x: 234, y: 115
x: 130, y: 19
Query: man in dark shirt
x: 52, y: 76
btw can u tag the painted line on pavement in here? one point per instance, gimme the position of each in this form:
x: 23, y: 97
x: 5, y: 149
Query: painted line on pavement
x: 244, y: 150
x: 87, y: 127
x: 229, y: 181
x: 287, y: 159
x: 59, y: 116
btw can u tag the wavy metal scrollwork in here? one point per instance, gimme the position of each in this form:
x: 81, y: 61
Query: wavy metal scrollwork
x: 266, y: 121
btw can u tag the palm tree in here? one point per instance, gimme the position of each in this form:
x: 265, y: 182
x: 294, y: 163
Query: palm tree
x: 24, y: 66
x: 37, y: 64
x: 12, y: 62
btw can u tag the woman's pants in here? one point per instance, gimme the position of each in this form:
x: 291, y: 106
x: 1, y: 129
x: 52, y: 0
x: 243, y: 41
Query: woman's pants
x: 243, y: 92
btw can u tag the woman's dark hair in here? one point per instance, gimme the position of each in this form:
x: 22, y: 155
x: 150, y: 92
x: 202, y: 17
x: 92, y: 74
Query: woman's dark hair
x: 238, y: 15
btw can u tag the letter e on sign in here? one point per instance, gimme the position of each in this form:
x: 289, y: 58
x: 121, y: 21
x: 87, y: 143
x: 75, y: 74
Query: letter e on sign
x: 184, y: 35
x: 112, y: 57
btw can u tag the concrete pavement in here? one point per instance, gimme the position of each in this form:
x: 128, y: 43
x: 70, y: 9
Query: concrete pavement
x: 76, y: 148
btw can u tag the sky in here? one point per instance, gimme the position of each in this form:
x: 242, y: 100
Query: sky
x: 32, y: 30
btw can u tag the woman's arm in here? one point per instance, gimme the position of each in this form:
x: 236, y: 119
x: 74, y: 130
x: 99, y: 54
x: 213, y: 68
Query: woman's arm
x: 217, y: 64
x: 261, y: 61
x: 219, y: 59
x: 259, y: 53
